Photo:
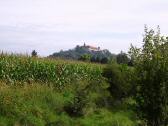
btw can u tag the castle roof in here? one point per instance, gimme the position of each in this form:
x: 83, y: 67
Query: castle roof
x: 92, y: 47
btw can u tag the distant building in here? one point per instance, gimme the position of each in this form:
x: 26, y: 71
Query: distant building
x: 91, y: 48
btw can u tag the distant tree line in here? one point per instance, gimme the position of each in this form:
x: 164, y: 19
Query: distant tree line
x: 121, y: 58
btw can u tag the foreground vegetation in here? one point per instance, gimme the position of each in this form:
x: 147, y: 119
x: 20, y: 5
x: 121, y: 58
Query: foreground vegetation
x: 46, y: 92
x: 80, y: 104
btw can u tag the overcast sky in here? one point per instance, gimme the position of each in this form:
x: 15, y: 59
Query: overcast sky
x: 51, y: 25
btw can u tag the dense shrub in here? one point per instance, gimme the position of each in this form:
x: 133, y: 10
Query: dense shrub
x: 122, y: 58
x: 88, y: 96
x: 151, y: 70
x: 103, y: 117
x: 85, y: 57
x: 119, y: 78
x: 40, y: 105
x: 104, y: 60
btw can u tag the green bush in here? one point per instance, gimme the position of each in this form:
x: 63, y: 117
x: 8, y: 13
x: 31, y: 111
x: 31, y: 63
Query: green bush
x: 104, y: 117
x: 88, y: 96
x: 119, y: 77
x: 151, y: 70
x: 85, y: 57
x: 40, y: 105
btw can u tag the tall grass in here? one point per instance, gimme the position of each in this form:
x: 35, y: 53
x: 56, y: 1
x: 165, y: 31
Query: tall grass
x: 40, y: 105
x: 32, y: 105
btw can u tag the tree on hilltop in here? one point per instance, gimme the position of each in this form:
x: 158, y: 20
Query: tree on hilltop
x: 34, y: 53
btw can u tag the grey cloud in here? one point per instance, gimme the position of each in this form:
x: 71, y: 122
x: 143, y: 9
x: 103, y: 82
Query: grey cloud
x: 51, y: 25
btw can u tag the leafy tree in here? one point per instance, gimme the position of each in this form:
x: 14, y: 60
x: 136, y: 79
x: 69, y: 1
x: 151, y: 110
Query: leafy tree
x: 151, y: 69
x: 34, y: 53
x: 98, y: 59
x: 93, y: 59
x: 85, y: 57
x: 122, y: 58
x: 119, y: 78
x: 104, y: 60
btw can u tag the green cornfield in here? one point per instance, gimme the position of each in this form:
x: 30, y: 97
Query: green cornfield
x: 17, y: 68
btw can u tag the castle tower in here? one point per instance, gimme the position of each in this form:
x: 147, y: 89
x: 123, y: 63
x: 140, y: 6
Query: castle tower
x: 84, y: 44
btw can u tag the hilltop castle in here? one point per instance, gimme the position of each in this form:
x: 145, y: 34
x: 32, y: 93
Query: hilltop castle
x: 91, y: 48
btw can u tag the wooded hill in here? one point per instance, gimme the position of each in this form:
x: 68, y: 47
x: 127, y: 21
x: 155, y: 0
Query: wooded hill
x: 95, y: 53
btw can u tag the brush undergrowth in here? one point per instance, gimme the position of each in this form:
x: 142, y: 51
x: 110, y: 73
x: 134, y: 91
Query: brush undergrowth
x: 40, y: 105
x: 28, y: 96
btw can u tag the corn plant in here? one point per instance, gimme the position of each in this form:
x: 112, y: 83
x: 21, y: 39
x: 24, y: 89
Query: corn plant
x: 23, y: 68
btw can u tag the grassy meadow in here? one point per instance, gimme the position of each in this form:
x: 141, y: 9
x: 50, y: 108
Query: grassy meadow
x: 49, y: 92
